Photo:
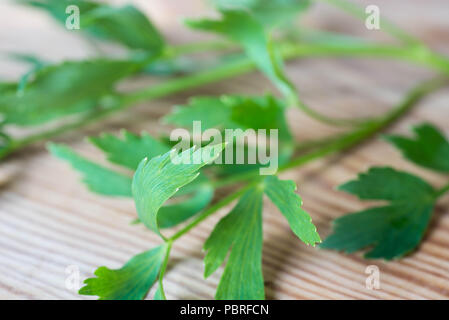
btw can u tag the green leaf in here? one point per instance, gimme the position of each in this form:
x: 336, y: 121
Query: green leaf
x: 158, y: 179
x: 57, y: 8
x: 131, y: 282
x: 392, y: 230
x: 97, y: 178
x: 171, y: 215
x: 195, y: 196
x: 284, y: 155
x: 265, y: 112
x: 237, y: 112
x: 130, y: 149
x: 233, y: 112
x: 64, y: 89
x: 241, y: 232
x: 211, y: 111
x: 283, y: 195
x: 245, y: 29
x: 388, y: 184
x: 7, y: 87
x: 125, y: 25
x: 429, y: 148
x: 174, y: 214
x: 268, y: 12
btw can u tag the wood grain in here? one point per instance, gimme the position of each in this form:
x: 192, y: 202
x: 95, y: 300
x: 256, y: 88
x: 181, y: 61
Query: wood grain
x: 49, y: 221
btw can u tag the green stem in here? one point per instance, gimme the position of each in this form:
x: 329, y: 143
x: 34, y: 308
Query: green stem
x: 233, y: 179
x: 355, y: 137
x: 326, y: 119
x: 228, y: 70
x: 417, y: 55
x: 304, y: 146
x: 164, y: 268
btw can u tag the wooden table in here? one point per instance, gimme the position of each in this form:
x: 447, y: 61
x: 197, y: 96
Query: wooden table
x: 49, y: 221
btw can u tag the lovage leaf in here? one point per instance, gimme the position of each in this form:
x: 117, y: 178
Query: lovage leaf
x: 244, y: 28
x: 158, y: 179
x: 131, y: 282
x: 130, y: 149
x: 233, y: 112
x: 283, y: 195
x: 57, y: 8
x: 238, y: 113
x: 129, y: 152
x: 171, y: 215
x: 429, y: 148
x: 64, y: 89
x: 201, y: 192
x: 241, y: 232
x: 387, y: 184
x: 392, y: 230
x: 265, y: 112
x: 233, y: 167
x: 97, y: 178
x: 7, y: 87
x: 125, y: 25
x: 211, y: 111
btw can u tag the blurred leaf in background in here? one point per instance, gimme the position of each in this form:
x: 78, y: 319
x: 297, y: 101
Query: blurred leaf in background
x: 125, y: 25
x: 63, y: 89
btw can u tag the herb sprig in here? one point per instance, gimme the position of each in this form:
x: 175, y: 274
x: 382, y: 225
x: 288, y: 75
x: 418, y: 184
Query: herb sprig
x: 153, y: 181
x: 282, y: 193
